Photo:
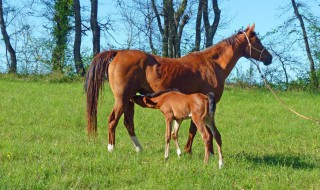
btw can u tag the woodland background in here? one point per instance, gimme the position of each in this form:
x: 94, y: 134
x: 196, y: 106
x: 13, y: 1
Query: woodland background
x: 70, y: 33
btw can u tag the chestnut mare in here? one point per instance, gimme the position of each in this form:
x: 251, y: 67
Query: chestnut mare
x: 177, y: 107
x: 132, y: 71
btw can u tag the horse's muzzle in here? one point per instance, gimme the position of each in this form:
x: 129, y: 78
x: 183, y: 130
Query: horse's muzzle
x: 268, y: 61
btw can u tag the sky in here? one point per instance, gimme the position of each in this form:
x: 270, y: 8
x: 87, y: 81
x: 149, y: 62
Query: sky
x: 264, y: 13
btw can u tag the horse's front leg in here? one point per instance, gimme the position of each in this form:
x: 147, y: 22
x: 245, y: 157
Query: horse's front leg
x: 129, y: 123
x: 192, y: 133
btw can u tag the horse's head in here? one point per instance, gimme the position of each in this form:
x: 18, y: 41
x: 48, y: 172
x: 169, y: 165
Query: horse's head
x: 254, y: 48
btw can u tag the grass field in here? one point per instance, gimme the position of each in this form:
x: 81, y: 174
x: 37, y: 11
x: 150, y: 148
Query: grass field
x: 43, y: 143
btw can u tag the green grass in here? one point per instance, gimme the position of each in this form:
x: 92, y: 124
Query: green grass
x: 43, y: 143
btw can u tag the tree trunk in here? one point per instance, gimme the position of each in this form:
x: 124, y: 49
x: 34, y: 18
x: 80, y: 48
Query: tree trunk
x: 171, y: 32
x: 95, y: 27
x: 210, y: 30
x: 6, y: 38
x: 172, y: 29
x: 61, y: 29
x: 77, y: 39
x: 198, y: 27
x: 165, y: 34
x: 313, y: 75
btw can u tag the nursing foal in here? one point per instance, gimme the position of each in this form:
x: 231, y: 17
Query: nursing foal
x: 177, y: 107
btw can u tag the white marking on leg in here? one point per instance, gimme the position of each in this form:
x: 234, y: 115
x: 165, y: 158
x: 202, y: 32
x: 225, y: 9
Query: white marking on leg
x: 220, y: 164
x: 175, y: 134
x: 110, y: 147
x: 166, y: 152
x: 136, y: 143
x: 179, y: 152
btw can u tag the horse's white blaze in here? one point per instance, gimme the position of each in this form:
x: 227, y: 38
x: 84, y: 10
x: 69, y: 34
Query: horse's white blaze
x: 110, y: 147
x: 136, y: 143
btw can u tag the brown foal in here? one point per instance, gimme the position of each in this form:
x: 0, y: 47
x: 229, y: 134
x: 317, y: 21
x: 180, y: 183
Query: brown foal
x: 176, y: 107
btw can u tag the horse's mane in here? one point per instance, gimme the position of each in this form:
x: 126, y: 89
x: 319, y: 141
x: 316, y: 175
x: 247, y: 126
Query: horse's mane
x: 152, y: 95
x: 232, y: 39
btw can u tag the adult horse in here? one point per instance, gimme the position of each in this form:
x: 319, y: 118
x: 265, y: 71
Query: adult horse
x: 132, y: 71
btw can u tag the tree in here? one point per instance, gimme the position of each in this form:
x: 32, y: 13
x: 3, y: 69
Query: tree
x: 198, y: 27
x: 61, y: 29
x: 95, y: 27
x: 210, y: 30
x: 172, y: 27
x: 313, y: 75
x: 6, y: 38
x: 77, y: 39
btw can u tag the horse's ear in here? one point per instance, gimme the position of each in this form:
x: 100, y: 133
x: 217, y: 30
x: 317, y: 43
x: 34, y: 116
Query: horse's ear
x: 250, y: 30
x: 252, y: 27
x: 248, y: 27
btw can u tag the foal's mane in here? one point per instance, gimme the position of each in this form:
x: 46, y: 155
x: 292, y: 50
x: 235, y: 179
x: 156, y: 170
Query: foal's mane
x: 152, y: 95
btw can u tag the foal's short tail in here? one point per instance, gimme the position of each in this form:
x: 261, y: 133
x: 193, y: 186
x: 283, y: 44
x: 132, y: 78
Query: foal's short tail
x: 94, y: 81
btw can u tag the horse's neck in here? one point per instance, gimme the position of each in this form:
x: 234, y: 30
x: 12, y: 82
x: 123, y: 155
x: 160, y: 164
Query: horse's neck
x: 228, y: 57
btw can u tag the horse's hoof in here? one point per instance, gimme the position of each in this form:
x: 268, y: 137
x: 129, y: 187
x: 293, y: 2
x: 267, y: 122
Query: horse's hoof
x: 138, y: 149
x: 110, y: 147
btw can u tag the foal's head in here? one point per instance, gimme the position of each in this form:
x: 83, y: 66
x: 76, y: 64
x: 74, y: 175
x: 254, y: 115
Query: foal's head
x: 254, y: 48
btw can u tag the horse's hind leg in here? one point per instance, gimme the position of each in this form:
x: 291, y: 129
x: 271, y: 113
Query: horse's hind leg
x: 128, y: 122
x: 175, y: 135
x: 114, y: 117
x: 192, y: 133
x: 210, y: 122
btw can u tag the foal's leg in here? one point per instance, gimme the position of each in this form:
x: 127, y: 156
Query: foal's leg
x: 128, y: 122
x: 168, y: 136
x: 210, y: 122
x: 175, y: 135
x: 114, y: 117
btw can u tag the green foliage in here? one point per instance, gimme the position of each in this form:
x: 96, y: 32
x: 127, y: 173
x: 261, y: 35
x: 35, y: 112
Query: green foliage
x: 62, y: 27
x: 44, y: 144
x: 52, y: 78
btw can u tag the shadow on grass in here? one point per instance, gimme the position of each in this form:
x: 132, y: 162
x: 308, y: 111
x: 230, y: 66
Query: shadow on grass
x: 292, y: 161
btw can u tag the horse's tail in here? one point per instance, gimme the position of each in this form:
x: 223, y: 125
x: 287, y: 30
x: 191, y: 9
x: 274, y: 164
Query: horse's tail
x: 94, y: 81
